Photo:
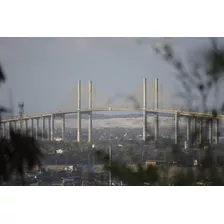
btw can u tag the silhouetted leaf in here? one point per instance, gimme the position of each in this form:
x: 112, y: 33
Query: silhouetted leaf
x: 3, y: 110
x: 178, y: 65
x: 201, y: 87
x: 2, y: 75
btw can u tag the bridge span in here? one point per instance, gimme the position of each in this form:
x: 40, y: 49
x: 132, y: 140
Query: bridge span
x: 197, y: 118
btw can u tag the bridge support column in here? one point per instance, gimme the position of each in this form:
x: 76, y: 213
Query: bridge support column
x: 43, y: 128
x: 156, y: 118
x: 90, y: 113
x: 144, y: 134
x: 9, y: 126
x: 200, y: 129
x: 79, y: 126
x: 211, y: 131
x: 63, y: 128
x: 32, y: 127
x: 90, y: 126
x: 49, y: 129
x: 79, y: 113
x: 52, y: 127
x: 217, y: 131
x: 176, y: 137
x: 156, y: 128
x: 3, y: 129
x: 196, y: 136
x: 189, y: 131
x: 14, y: 124
x: 26, y: 127
x: 37, y: 128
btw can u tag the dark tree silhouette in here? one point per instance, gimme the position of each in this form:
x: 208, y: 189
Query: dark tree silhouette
x: 18, y: 153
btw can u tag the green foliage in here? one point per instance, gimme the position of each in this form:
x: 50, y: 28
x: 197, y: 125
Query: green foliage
x: 184, y: 177
x: 131, y: 176
x: 206, y: 173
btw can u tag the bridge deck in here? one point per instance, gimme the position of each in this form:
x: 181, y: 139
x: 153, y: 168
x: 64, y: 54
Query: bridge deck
x: 162, y: 111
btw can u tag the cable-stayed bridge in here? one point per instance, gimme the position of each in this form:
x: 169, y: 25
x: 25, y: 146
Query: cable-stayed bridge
x: 87, y: 99
x: 119, y: 100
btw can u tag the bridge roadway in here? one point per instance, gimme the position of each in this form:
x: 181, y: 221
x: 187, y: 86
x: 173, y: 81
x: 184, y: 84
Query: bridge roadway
x: 83, y: 111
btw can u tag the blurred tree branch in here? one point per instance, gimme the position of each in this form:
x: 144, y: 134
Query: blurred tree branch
x: 199, y: 77
x: 18, y: 153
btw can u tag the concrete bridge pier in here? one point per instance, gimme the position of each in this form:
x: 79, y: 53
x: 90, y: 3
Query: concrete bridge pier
x: 217, y: 131
x: 37, y: 128
x: 189, y: 131
x: 26, y: 127
x: 79, y: 120
x: 90, y: 124
x: 14, y: 125
x: 32, y: 128
x: 3, y: 127
x: 156, y: 128
x: 200, y: 130
x: 156, y: 118
x: 43, y: 128
x: 196, y: 134
x: 7, y: 130
x: 176, y: 136
x: 90, y: 127
x: 9, y: 127
x: 63, y: 128
x: 52, y: 126
x: 4, y: 130
x: 211, y: 131
x: 79, y: 113
x: 49, y: 129
x: 144, y: 134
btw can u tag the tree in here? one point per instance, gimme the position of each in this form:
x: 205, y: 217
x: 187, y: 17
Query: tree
x: 18, y: 153
x: 201, y: 75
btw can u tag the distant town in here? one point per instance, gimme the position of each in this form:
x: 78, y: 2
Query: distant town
x: 68, y: 163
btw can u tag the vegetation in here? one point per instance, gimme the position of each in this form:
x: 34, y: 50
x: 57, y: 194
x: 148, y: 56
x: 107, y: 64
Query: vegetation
x: 18, y: 153
x: 203, y: 76
x: 21, y: 152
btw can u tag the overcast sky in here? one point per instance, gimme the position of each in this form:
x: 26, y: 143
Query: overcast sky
x: 42, y: 71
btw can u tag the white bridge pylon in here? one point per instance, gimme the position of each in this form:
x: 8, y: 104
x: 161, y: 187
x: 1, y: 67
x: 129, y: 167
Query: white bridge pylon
x: 70, y: 103
x: 134, y: 99
x: 87, y: 100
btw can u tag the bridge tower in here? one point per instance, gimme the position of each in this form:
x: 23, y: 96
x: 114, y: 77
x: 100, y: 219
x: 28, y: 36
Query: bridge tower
x: 156, y: 105
x: 90, y: 113
x: 156, y: 118
x: 144, y: 134
x: 21, y: 113
x: 79, y: 113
